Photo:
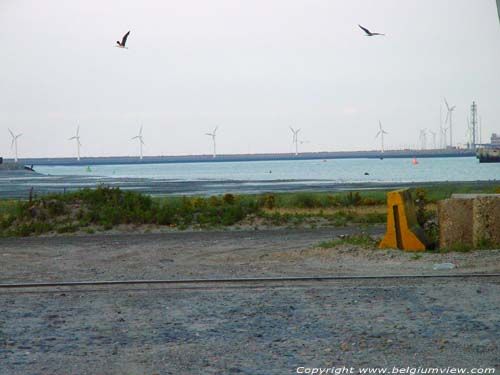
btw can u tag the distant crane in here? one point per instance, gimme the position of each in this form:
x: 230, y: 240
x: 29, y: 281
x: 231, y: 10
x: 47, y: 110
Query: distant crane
x: 213, y: 135
x: 141, y: 141
x: 78, y: 144
x: 381, y: 133
x: 13, y: 145
x: 295, y: 140
x: 449, y: 116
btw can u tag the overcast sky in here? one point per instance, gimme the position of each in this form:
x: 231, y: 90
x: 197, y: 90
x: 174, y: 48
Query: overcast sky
x: 251, y: 67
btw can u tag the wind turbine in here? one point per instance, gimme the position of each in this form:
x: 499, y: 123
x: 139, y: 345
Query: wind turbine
x: 381, y: 132
x: 78, y: 144
x: 213, y: 135
x: 443, y: 132
x: 141, y: 141
x: 14, y: 143
x: 423, y: 139
x: 433, y: 133
x: 295, y: 139
x: 449, y: 115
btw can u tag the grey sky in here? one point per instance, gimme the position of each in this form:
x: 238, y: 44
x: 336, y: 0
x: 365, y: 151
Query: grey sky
x: 251, y: 67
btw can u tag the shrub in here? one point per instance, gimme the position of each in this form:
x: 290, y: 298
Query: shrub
x: 228, y: 198
x: 306, y: 200
x: 351, y: 199
x: 420, y: 201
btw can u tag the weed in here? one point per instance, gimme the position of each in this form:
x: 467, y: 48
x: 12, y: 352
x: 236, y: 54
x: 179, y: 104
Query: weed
x: 363, y: 240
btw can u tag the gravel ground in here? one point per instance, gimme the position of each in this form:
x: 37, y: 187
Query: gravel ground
x: 255, y: 329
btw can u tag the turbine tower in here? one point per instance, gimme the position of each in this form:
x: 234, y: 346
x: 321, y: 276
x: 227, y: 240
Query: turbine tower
x: 423, y: 139
x: 433, y: 133
x: 295, y: 139
x: 213, y: 135
x: 449, y: 115
x: 381, y: 132
x: 78, y: 144
x: 13, y: 145
x: 141, y: 141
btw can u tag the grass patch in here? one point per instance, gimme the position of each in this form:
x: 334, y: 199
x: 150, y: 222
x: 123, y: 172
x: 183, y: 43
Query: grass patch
x: 104, y: 208
x: 363, y: 240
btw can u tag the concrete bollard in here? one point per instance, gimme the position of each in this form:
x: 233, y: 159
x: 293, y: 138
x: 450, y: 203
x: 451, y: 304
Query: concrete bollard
x: 403, y: 231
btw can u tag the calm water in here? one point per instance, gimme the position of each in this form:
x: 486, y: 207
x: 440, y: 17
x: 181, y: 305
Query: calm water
x: 337, y: 170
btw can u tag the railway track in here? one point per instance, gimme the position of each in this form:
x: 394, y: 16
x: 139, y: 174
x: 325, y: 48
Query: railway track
x: 250, y: 281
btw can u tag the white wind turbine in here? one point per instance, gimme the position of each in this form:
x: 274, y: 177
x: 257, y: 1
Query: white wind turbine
x: 423, y: 139
x: 295, y: 139
x: 381, y: 132
x: 14, y: 143
x: 213, y: 135
x: 141, y: 141
x: 78, y: 143
x: 433, y: 133
x: 449, y: 115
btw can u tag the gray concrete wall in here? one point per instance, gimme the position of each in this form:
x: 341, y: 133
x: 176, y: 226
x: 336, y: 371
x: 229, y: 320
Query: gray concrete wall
x: 469, y: 220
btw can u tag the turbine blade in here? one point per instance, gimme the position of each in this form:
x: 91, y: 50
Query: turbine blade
x: 11, y: 133
x: 378, y: 133
x: 446, y: 102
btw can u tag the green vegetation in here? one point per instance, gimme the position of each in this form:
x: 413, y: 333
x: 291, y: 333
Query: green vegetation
x: 92, y: 210
x: 105, y: 208
x: 363, y: 240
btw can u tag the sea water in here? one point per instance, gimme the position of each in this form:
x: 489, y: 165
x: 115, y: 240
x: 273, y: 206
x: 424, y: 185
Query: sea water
x: 389, y: 170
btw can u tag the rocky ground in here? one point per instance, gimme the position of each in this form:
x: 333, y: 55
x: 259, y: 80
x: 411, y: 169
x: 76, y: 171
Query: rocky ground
x: 232, y: 329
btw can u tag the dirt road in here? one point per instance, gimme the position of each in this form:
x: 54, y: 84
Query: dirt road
x: 233, y: 329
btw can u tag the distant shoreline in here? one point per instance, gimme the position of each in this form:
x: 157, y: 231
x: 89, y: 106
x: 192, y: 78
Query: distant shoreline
x: 112, y: 160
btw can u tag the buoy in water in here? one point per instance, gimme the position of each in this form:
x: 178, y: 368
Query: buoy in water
x: 88, y: 169
x: 414, y: 161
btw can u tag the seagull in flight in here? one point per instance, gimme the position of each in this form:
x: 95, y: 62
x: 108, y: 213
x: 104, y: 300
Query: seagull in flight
x: 124, y: 40
x: 368, y: 32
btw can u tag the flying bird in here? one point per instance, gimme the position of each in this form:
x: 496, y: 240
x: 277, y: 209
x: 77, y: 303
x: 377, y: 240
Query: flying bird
x: 368, y: 32
x: 124, y: 41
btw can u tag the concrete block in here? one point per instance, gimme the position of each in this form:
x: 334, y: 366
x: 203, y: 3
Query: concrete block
x: 486, y: 218
x: 455, y: 222
x: 469, y: 220
x: 403, y: 231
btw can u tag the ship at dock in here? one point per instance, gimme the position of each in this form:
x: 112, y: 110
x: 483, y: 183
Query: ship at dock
x: 490, y: 153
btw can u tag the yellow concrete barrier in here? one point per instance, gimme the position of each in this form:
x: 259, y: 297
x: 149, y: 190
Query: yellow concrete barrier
x: 403, y: 231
